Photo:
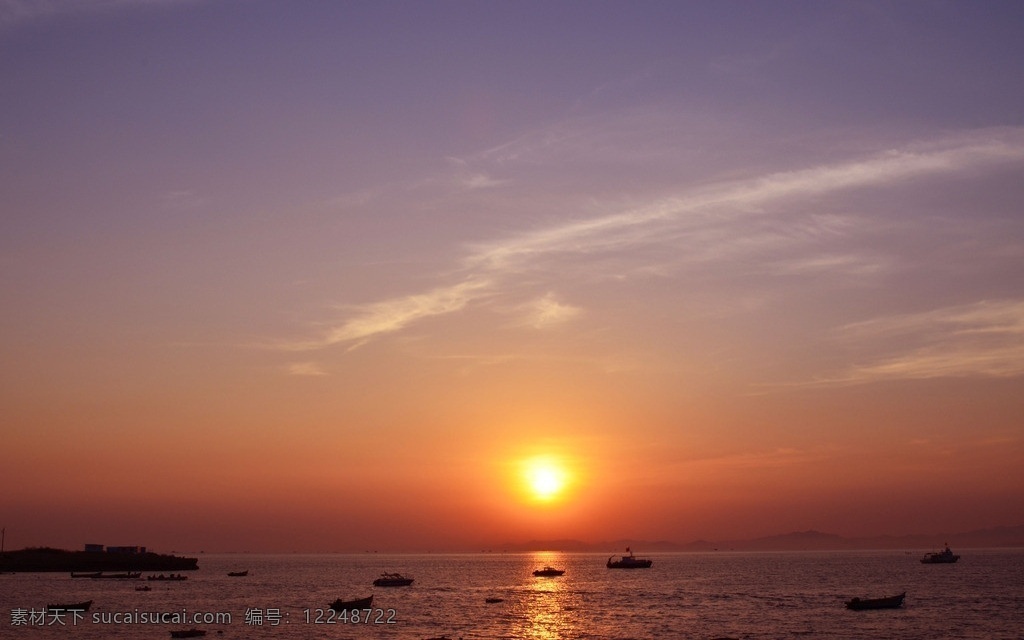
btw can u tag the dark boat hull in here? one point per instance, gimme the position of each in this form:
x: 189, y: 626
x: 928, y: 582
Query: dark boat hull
x: 78, y: 606
x: 392, y: 580
x: 348, y: 605
x: 892, y: 602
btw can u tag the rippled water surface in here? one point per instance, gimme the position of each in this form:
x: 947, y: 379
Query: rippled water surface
x: 700, y: 595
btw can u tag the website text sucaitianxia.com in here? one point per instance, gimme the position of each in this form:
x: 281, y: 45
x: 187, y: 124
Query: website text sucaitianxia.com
x: 23, y: 617
x: 73, y: 617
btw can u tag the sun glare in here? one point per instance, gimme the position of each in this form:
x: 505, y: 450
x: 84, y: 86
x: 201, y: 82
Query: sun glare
x: 545, y: 478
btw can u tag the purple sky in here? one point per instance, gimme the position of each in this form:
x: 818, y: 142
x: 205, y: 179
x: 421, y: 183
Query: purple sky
x: 268, y: 248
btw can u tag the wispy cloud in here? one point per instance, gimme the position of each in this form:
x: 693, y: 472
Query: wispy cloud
x: 391, y: 315
x: 981, y: 339
x: 306, y: 369
x: 548, y: 311
x: 713, y: 222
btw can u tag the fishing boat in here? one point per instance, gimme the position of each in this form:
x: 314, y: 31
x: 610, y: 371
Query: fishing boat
x: 629, y: 562
x: 238, y: 574
x: 940, y: 557
x: 548, y: 572
x: 348, y: 605
x: 188, y: 633
x: 892, y: 602
x: 392, y: 580
x: 78, y: 606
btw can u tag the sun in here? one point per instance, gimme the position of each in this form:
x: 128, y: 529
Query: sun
x: 545, y: 478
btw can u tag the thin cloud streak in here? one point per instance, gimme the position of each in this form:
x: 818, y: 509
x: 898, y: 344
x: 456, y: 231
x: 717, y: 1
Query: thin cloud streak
x: 392, y: 315
x: 714, y: 211
x: 981, y: 339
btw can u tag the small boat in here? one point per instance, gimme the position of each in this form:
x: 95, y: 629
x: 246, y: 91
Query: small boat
x: 78, y: 606
x: 548, y: 572
x: 493, y: 600
x: 348, y: 605
x: 392, y: 580
x: 940, y: 557
x: 238, y: 574
x: 174, y: 577
x: 629, y: 562
x: 892, y: 602
x: 131, y: 575
x: 188, y: 633
x: 144, y: 587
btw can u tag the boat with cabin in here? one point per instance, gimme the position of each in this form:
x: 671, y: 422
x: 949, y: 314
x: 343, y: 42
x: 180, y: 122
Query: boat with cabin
x: 946, y: 556
x: 629, y: 562
x: 548, y: 572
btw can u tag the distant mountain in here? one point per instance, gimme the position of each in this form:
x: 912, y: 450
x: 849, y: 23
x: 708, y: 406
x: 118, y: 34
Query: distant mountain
x: 1012, y: 536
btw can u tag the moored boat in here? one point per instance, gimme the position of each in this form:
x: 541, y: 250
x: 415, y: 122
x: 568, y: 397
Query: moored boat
x: 348, y: 605
x: 946, y: 556
x: 629, y: 562
x: 891, y: 602
x: 392, y: 580
x: 78, y: 606
x: 548, y: 572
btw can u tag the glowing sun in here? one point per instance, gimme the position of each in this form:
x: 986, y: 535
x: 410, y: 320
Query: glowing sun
x: 545, y: 478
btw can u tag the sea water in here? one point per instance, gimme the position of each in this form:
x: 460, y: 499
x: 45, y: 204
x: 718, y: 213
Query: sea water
x: 684, y: 595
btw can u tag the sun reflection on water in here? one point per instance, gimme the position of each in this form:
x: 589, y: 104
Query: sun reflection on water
x: 551, y: 606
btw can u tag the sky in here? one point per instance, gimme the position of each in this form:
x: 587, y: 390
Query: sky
x: 425, y: 276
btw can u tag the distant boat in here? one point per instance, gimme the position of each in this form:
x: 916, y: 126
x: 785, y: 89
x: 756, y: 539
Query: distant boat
x: 493, y: 600
x: 892, y: 602
x: 629, y: 562
x: 78, y: 606
x: 144, y: 587
x: 348, y: 605
x: 392, y: 580
x: 174, y: 577
x: 188, y: 633
x: 238, y: 574
x: 940, y: 557
x: 131, y: 575
x: 548, y: 572
x: 94, y: 574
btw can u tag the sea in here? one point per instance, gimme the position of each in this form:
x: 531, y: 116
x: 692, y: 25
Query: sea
x: 713, y: 595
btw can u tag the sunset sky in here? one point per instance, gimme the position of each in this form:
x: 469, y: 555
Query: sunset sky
x: 335, y: 276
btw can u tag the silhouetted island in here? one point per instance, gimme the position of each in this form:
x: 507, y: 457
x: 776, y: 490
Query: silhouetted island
x: 40, y: 559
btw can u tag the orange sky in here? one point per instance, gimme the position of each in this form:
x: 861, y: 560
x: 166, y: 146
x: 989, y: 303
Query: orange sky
x: 332, y: 299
